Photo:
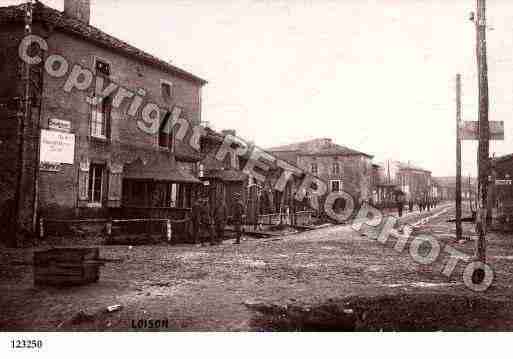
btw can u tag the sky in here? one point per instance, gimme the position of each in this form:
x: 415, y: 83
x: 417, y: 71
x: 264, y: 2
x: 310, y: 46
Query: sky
x: 377, y: 76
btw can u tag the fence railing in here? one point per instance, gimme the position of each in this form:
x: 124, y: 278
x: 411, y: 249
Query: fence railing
x: 171, y: 223
x: 299, y: 218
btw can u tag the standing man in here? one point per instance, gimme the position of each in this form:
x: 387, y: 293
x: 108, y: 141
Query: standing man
x: 238, y: 216
x: 201, y: 221
x: 220, y: 218
x: 195, y: 220
x: 400, y: 205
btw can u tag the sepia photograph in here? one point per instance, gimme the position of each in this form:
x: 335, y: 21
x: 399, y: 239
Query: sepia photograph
x: 255, y: 166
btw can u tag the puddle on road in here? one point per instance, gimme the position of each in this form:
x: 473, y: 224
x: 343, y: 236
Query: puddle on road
x: 375, y: 268
x: 326, y: 248
x: 253, y: 263
x: 421, y: 285
x: 191, y: 255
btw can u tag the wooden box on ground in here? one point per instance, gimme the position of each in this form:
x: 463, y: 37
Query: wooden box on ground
x: 67, y: 266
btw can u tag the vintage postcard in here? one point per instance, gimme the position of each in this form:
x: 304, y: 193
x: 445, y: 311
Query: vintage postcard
x: 255, y: 166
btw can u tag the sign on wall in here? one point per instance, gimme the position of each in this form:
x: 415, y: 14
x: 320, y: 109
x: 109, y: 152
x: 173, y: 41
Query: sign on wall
x: 503, y: 182
x: 59, y: 125
x: 57, y: 147
x: 470, y: 130
x: 50, y: 167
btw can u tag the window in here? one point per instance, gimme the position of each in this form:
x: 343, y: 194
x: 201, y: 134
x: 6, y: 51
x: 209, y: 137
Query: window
x: 100, y: 120
x: 96, y: 174
x: 101, y: 112
x: 336, y: 186
x: 102, y: 67
x: 165, y: 136
x: 336, y: 169
x: 166, y: 89
x: 314, y: 168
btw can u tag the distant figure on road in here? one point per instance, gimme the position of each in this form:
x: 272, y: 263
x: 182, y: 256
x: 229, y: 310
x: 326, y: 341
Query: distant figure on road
x: 238, y: 216
x: 400, y: 204
x: 201, y: 221
x: 410, y: 205
x: 220, y: 218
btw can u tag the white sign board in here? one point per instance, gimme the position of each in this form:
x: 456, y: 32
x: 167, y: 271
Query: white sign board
x: 57, y: 147
x: 503, y: 182
x: 59, y: 125
x: 470, y: 130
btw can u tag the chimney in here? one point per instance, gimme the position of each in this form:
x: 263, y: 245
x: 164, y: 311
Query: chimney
x: 78, y: 9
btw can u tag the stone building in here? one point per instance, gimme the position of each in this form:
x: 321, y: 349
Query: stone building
x: 501, y: 191
x: 446, y: 188
x: 221, y: 181
x: 115, y: 159
x: 341, y: 167
x: 392, y: 176
x: 383, y: 190
x: 414, y: 181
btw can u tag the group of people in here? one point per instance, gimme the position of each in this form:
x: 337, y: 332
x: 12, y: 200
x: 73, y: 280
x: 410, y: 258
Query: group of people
x: 423, y: 205
x: 427, y: 205
x: 214, y: 222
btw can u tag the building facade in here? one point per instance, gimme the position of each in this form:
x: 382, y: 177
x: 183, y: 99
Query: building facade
x: 114, y: 159
x: 501, y: 191
x: 340, y: 167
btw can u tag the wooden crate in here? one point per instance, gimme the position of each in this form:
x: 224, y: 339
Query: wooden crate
x: 67, y: 266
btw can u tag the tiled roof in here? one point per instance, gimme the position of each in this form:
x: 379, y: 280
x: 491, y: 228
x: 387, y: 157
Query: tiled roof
x: 409, y: 166
x: 227, y: 175
x: 90, y: 33
x: 160, y: 168
x: 504, y: 158
x: 213, y: 136
x: 324, y: 149
x: 184, y: 152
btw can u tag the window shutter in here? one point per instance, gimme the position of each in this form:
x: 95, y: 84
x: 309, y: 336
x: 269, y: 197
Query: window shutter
x: 83, y: 180
x: 107, y: 115
x: 115, y: 185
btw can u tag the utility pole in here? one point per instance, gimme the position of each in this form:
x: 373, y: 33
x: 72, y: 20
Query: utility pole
x: 484, y: 137
x: 458, y: 158
x: 24, y: 111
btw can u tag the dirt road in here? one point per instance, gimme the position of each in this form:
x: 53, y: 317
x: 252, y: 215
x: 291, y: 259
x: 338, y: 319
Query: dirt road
x: 228, y: 287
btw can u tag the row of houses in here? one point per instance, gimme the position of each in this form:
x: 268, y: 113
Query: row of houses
x: 66, y: 157
x: 447, y: 188
x: 501, y: 192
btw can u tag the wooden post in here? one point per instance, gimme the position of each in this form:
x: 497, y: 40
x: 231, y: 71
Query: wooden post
x: 23, y: 116
x: 470, y: 195
x: 458, y: 158
x: 483, y: 154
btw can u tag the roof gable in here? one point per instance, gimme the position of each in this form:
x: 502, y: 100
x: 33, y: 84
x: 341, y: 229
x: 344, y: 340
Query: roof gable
x: 58, y: 20
x: 319, y: 147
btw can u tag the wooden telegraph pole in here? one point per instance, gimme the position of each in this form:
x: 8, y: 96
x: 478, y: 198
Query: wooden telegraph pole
x: 484, y: 136
x: 23, y: 119
x: 458, y: 158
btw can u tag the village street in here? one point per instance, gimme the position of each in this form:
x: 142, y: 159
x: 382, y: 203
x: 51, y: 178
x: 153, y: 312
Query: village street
x: 228, y: 287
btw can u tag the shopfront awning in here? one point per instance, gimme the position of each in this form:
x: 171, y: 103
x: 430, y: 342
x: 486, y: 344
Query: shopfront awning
x: 226, y: 175
x: 158, y: 169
